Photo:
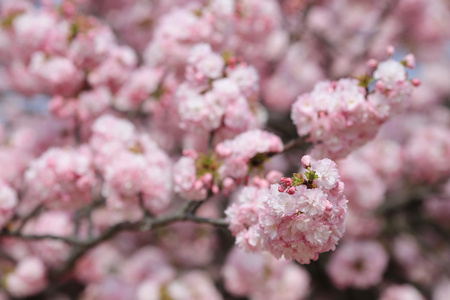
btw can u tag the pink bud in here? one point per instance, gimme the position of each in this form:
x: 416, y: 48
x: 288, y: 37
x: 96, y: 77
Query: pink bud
x: 207, y: 179
x: 190, y: 153
x: 228, y: 185
x: 228, y: 182
x: 372, y: 63
x: 200, y: 76
x: 288, y: 181
x: 390, y: 50
x: 291, y: 190
x: 215, y: 189
x: 281, y: 188
x: 416, y: 82
x: 306, y: 161
x: 328, y: 210
x: 380, y: 86
x: 410, y: 61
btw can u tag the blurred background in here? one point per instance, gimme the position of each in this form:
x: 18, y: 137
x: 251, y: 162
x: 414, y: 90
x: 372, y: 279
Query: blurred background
x: 397, y: 240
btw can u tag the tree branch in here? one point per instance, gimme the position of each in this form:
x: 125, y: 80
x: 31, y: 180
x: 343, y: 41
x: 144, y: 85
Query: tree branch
x: 68, y: 240
x: 184, y: 213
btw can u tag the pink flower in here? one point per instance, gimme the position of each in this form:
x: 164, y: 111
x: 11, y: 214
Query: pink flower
x: 417, y: 266
x: 98, y: 263
x: 147, y: 263
x: 57, y: 73
x: 204, y: 64
x: 93, y: 103
x: 28, y: 278
x: 109, y: 289
x: 358, y: 264
x: 138, y: 88
x: 328, y: 174
x: 239, y: 151
x: 301, y: 224
x: 193, y: 285
x: 313, y: 202
x: 390, y: 72
x: 186, y: 181
x: 110, y: 133
x: 364, y: 188
x: 427, y: 153
x: 62, y: 177
x: 243, y: 216
x: 441, y: 290
x: 115, y: 70
x: 198, y: 112
x: 141, y: 171
x: 89, y: 48
x: 259, y: 276
x: 32, y: 29
x: 190, y: 244
x: 8, y: 202
x: 245, y: 77
x: 341, y: 116
x: 401, y: 292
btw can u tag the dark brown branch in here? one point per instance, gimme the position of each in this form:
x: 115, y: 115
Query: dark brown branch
x: 68, y: 240
x: 294, y: 144
x: 222, y: 223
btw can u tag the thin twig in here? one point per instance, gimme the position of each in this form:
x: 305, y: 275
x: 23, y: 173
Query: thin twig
x: 68, y: 240
x: 32, y: 214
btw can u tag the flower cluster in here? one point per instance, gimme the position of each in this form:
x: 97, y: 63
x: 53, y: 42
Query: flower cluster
x: 339, y: 116
x: 130, y: 130
x: 299, y: 219
x: 62, y: 177
x: 133, y: 166
x: 216, y: 97
x: 28, y: 278
x: 231, y: 162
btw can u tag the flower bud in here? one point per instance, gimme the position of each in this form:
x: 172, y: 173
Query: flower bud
x: 291, y: 190
x: 416, y: 82
x: 390, y: 50
x: 372, y: 63
x: 306, y: 161
x: 410, y: 61
x: 281, y: 188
